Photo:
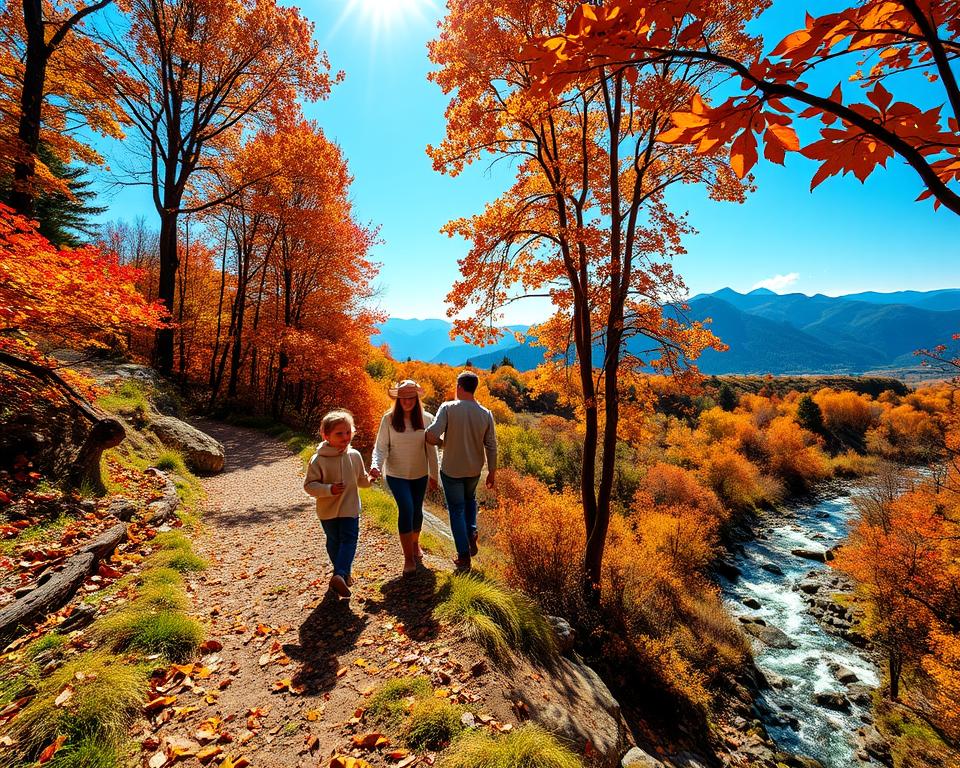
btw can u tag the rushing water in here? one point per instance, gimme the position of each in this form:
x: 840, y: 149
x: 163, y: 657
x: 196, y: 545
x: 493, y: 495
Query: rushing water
x: 810, y: 668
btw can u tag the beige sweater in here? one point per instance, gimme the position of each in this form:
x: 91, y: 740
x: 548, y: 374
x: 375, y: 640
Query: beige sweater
x: 404, y: 454
x: 469, y: 437
x: 327, y: 467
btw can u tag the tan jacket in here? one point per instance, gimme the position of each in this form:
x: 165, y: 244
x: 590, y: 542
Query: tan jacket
x: 404, y: 454
x: 327, y: 467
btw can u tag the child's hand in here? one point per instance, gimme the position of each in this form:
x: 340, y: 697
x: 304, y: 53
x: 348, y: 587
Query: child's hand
x: 374, y: 474
x: 337, y: 488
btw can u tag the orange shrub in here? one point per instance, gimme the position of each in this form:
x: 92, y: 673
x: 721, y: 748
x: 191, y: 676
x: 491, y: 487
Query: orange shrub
x: 846, y: 412
x: 793, y: 455
x: 737, y: 481
x: 669, y: 485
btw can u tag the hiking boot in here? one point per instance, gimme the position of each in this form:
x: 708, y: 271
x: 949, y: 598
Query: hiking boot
x: 461, y: 564
x: 474, y: 537
x: 339, y: 585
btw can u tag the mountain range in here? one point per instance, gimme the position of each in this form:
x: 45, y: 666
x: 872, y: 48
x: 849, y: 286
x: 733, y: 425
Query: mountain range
x: 766, y: 333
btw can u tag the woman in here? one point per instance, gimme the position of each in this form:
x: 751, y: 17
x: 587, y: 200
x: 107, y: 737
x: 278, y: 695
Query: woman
x: 409, y: 464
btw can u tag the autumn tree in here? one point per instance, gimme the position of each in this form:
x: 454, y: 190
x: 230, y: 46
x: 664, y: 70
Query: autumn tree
x: 194, y: 75
x: 54, y: 79
x: 876, y: 40
x: 585, y: 221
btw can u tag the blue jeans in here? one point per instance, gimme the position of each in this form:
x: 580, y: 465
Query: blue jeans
x: 461, y: 496
x: 342, y: 534
x: 409, y: 497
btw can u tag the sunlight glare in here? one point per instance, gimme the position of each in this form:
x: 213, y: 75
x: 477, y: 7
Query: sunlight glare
x: 384, y: 15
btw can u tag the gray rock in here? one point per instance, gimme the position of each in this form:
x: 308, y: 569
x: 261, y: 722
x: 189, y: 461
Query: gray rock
x: 637, y: 758
x: 751, y: 602
x: 820, y: 555
x: 200, y: 451
x: 688, y: 760
x: 773, y: 568
x: 566, y: 635
x: 875, y: 745
x: 809, y: 586
x: 771, y: 636
x: 831, y: 700
x: 846, y: 676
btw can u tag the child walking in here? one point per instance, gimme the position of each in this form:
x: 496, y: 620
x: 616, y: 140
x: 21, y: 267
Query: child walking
x: 335, y: 474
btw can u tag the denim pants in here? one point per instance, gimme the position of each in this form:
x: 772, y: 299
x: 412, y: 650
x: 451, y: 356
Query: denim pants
x: 461, y: 496
x: 409, y: 497
x: 342, y: 534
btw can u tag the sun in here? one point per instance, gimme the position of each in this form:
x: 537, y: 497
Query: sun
x: 386, y: 14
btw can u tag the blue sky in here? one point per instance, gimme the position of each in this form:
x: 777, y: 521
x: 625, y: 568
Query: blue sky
x: 843, y: 238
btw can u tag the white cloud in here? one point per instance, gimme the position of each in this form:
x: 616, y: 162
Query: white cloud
x: 778, y: 283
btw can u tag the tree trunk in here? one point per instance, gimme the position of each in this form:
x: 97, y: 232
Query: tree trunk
x: 169, y: 261
x: 31, y: 103
x: 895, y: 667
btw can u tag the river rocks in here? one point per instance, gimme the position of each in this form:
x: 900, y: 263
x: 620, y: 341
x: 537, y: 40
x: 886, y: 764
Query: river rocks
x: 771, y: 636
x: 637, y: 758
x: 809, y: 586
x: 200, y: 451
x: 751, y: 602
x: 809, y: 553
x: 797, y: 761
x: 860, y: 694
x: 773, y: 568
x: 843, y: 674
x: 727, y: 569
x: 832, y: 700
x: 580, y: 709
x: 871, y: 742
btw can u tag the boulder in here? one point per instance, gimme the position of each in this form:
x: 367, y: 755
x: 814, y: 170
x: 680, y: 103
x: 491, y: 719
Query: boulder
x: 637, y: 758
x: 809, y: 586
x: 845, y: 675
x: 727, y: 569
x: 831, y: 700
x: 201, y: 452
x: 566, y: 635
x: 751, y: 602
x: 773, y: 568
x: 580, y: 709
x: 820, y: 555
x: 771, y: 636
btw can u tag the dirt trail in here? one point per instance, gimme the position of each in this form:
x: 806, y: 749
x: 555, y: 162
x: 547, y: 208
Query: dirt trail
x: 264, y: 597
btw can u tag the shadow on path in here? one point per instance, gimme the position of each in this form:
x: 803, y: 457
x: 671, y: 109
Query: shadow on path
x: 330, y: 631
x: 411, y: 599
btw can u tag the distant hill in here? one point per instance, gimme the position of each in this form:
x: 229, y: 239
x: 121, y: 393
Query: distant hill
x: 767, y: 333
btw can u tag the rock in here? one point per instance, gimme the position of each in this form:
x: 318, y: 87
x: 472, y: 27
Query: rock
x: 831, y: 700
x: 771, y: 636
x: 468, y: 720
x: 751, y: 620
x: 875, y: 745
x: 860, y: 694
x: 580, y: 709
x: 566, y: 635
x: 751, y: 602
x: 846, y: 676
x: 773, y: 568
x: 200, y: 451
x: 637, y: 758
x: 727, y: 569
x: 809, y: 586
x: 778, y: 682
x: 688, y: 760
x: 797, y: 761
x: 820, y: 555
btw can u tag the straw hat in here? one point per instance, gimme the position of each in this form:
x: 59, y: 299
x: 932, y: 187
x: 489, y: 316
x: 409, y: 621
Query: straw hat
x: 406, y: 388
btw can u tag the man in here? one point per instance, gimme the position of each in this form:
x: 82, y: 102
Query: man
x: 468, y: 436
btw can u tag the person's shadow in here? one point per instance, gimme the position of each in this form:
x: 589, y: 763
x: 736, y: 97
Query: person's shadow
x: 330, y: 631
x: 411, y: 599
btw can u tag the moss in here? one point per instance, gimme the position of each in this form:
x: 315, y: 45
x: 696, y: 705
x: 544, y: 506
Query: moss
x: 433, y: 723
x: 108, y: 693
x: 388, y: 706
x: 49, y: 642
x: 129, y: 399
x: 167, y: 632
x: 496, y: 617
x: 530, y: 746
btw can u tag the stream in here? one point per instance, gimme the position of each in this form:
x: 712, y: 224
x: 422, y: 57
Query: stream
x: 792, y: 716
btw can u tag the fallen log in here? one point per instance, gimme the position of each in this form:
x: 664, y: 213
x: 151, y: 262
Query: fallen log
x: 158, y: 512
x: 61, y: 585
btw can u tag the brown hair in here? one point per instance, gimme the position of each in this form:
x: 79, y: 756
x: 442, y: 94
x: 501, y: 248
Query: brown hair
x: 469, y: 381
x: 333, y: 418
x: 397, y: 414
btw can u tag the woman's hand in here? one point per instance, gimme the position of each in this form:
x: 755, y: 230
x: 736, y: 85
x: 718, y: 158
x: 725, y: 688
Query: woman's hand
x: 375, y: 473
x: 337, y: 488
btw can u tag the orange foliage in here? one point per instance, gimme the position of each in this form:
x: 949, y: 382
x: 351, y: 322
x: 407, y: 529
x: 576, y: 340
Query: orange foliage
x: 846, y: 412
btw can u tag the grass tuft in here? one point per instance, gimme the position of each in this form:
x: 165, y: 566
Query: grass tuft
x: 129, y: 399
x: 170, y: 460
x: 177, y: 560
x: 530, y: 746
x: 161, y: 576
x: 162, y: 597
x: 388, y: 706
x: 432, y: 725
x: 86, y: 753
x: 496, y: 617
x: 172, y: 540
x: 167, y: 632
x: 107, y: 695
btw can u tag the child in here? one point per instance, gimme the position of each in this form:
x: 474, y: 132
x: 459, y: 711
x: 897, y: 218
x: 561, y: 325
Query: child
x: 335, y: 473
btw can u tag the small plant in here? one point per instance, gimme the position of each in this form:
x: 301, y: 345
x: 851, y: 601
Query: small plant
x: 103, y: 697
x: 166, y: 632
x: 49, y: 642
x: 172, y: 540
x: 433, y: 723
x: 388, y: 706
x: 497, y: 618
x: 180, y: 560
x: 161, y: 576
x: 86, y: 753
x: 162, y: 597
x: 129, y: 399
x: 530, y: 746
x: 170, y: 460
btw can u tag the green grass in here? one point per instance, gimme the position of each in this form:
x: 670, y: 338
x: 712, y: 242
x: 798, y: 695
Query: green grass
x: 48, y: 642
x: 160, y: 576
x: 381, y: 510
x: 178, y: 560
x: 108, y: 693
x: 162, y: 597
x: 499, y: 619
x: 129, y: 399
x: 171, y: 460
x: 530, y: 746
x: 90, y: 752
x: 172, y: 540
x: 388, y: 706
x: 432, y: 724
x: 167, y: 632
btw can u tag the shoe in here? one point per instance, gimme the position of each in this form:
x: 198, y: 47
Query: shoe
x: 339, y: 585
x: 349, y: 581
x: 461, y: 564
x: 474, y: 537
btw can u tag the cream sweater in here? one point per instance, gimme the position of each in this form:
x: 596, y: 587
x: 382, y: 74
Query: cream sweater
x: 327, y: 467
x: 404, y: 454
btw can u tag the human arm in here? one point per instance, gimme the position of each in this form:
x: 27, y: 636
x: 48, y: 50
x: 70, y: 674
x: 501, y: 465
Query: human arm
x: 439, y: 426
x: 313, y: 483
x: 490, y: 449
x: 381, y: 448
x: 433, y: 461
x: 363, y: 479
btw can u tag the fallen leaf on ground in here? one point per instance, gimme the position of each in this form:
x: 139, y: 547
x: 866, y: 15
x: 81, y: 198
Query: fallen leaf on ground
x: 51, y: 749
x: 370, y: 740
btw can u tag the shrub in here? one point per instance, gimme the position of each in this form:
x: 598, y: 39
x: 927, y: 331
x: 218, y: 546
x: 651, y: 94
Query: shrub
x: 166, y: 632
x: 107, y: 696
x: 496, y: 617
x: 433, y: 723
x: 529, y: 746
x: 164, y: 597
x: 170, y: 460
x: 388, y: 706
